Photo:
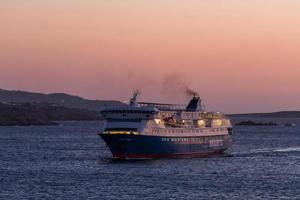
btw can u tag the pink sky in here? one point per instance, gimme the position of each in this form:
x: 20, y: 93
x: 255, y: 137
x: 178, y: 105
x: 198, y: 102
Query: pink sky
x: 241, y: 56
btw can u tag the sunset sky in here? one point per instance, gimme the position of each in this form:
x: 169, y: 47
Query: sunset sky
x: 240, y: 55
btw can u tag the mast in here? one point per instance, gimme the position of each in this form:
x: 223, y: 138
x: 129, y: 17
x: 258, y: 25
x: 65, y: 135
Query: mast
x: 133, y: 100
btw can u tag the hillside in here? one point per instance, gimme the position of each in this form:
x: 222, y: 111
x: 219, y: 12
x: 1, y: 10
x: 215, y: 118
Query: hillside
x: 25, y: 114
x: 62, y: 99
x: 282, y: 114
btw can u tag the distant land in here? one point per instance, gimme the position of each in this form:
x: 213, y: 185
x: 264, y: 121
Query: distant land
x: 29, y: 108
x: 281, y: 114
x: 25, y: 114
x: 62, y: 99
x: 24, y: 108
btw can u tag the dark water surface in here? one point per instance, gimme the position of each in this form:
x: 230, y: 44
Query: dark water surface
x: 71, y: 162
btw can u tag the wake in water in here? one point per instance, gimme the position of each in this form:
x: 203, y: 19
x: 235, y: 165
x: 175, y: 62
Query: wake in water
x: 265, y: 151
x: 250, y: 153
x: 291, y: 149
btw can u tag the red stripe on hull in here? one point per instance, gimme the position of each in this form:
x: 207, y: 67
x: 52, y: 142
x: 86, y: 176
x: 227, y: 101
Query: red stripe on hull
x: 124, y: 156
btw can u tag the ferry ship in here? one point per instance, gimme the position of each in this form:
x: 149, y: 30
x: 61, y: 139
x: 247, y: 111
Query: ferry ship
x: 144, y: 130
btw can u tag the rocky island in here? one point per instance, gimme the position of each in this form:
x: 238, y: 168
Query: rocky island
x: 252, y: 123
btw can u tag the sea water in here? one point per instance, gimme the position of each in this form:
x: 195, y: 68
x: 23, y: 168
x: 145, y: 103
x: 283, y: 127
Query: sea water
x: 72, y: 162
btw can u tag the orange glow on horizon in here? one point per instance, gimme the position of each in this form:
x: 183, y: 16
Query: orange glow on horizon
x: 241, y: 56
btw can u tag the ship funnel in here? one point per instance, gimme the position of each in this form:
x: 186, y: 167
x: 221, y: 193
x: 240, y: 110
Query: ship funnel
x: 195, y: 104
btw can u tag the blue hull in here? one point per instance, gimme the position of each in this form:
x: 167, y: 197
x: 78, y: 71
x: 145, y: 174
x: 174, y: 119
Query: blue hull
x: 124, y: 146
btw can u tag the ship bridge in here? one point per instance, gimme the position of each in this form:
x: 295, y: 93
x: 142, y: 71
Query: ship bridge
x: 128, y: 119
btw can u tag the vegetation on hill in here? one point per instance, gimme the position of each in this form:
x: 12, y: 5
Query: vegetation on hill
x: 62, y: 99
x: 25, y: 114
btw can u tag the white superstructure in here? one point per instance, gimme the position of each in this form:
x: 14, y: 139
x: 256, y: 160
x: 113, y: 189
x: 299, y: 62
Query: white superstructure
x: 168, y: 120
